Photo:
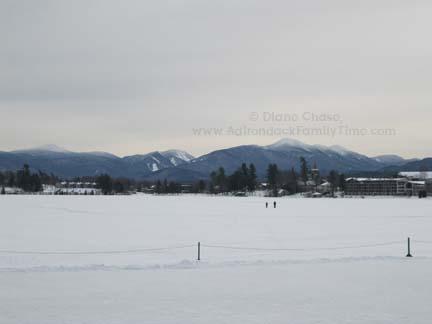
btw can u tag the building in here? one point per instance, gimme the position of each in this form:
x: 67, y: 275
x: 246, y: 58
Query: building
x: 416, y: 175
x: 76, y: 185
x: 383, y: 187
x: 324, y: 188
x: 429, y: 186
x: 73, y: 188
x: 425, y: 176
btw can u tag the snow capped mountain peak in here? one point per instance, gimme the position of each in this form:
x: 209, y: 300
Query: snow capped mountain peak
x: 289, y: 142
x: 46, y: 148
x: 175, y: 155
x: 51, y: 148
x: 156, y: 161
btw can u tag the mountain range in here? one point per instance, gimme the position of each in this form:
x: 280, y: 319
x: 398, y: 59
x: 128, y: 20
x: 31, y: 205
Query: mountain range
x: 178, y: 165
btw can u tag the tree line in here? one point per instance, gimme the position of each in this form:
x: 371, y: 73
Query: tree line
x: 290, y: 181
x: 26, y: 180
x: 109, y: 185
x: 243, y: 179
x: 29, y: 181
x: 308, y: 179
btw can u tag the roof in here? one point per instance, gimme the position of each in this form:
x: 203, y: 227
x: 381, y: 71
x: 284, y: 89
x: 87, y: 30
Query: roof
x: 376, y: 179
x: 417, y: 174
x: 325, y: 184
x: 418, y: 182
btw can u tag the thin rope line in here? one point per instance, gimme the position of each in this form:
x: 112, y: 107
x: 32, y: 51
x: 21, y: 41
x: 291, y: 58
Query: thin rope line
x: 304, y: 249
x: 96, y: 252
x: 203, y: 245
x: 424, y: 242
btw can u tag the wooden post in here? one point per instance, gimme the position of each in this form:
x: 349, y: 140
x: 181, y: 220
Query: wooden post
x: 409, y: 255
x: 199, y: 251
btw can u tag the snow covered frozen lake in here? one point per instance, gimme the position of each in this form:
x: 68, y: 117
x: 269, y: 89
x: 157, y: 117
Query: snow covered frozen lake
x: 132, y: 259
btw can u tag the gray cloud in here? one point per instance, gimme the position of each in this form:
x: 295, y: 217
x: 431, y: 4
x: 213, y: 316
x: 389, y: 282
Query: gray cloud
x: 146, y: 72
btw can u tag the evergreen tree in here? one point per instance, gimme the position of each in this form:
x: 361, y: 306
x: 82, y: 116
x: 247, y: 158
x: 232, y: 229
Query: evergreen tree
x: 24, y: 178
x: 105, y: 183
x: 174, y: 187
x: 212, y: 187
x: 272, y: 174
x: 11, y: 180
x: 272, y: 177
x: 342, y: 182
x: 235, y: 181
x: 213, y: 176
x: 291, y: 182
x: 244, y: 170
x: 35, y: 183
x: 219, y: 181
x: 244, y: 181
x: 304, y: 171
x: 27, y: 181
x: 333, y: 179
x: 199, y: 187
x: 252, y: 178
x: 118, y: 186
x: 222, y: 180
x: 158, y: 189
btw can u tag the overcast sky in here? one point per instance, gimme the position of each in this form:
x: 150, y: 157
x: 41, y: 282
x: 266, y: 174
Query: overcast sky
x: 136, y: 76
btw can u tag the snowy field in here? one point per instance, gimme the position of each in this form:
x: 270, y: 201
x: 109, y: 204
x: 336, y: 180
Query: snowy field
x: 132, y: 259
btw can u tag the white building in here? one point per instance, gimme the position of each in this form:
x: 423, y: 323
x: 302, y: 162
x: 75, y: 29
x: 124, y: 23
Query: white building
x: 416, y: 175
